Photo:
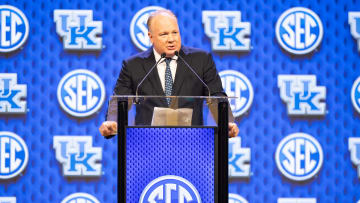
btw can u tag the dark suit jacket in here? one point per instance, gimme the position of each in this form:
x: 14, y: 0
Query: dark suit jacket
x: 185, y: 84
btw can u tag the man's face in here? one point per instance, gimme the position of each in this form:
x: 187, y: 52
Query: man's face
x: 164, y: 34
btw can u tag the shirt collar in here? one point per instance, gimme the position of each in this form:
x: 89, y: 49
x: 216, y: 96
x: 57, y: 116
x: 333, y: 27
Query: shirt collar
x: 158, y: 56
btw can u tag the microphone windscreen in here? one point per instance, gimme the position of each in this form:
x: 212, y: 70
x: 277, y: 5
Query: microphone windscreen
x: 163, y: 55
x: 176, y: 53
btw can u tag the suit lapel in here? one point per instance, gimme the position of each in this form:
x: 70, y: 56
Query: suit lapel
x: 180, y: 74
x: 154, y: 75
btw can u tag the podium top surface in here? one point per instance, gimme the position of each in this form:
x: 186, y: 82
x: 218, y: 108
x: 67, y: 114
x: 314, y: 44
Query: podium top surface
x: 160, y: 96
x: 169, y: 110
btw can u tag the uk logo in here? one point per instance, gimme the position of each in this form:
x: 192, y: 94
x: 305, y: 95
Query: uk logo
x: 14, y: 28
x: 354, y: 21
x: 7, y: 199
x: 12, y: 94
x: 234, y: 198
x: 226, y: 31
x: 81, y: 93
x: 297, y: 200
x: 355, y: 94
x: 139, y: 29
x: 299, y: 156
x: 301, y: 95
x: 237, y: 85
x: 239, y: 159
x: 299, y: 30
x: 78, y: 30
x: 14, y: 155
x: 80, y: 197
x: 77, y: 155
x: 170, y: 189
x: 354, y: 147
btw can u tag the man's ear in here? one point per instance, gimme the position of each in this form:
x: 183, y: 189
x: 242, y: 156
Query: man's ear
x: 150, y: 37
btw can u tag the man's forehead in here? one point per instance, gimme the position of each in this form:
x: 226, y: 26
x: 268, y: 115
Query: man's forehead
x: 166, y: 19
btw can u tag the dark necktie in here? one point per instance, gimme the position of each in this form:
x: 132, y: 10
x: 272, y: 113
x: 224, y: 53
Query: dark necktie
x: 168, y: 81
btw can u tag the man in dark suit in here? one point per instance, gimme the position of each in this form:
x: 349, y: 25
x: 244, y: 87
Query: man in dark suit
x: 165, y: 36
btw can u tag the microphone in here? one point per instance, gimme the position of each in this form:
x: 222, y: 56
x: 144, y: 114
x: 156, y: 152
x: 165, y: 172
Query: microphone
x: 152, y: 68
x: 178, y: 55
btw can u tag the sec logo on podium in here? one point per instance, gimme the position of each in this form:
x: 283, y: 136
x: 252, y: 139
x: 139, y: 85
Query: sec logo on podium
x: 170, y: 189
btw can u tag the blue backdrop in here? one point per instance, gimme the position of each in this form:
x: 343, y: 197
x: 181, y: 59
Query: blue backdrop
x: 42, y: 62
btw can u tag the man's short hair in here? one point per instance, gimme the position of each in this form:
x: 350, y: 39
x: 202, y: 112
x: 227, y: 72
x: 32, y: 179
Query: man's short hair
x: 159, y: 12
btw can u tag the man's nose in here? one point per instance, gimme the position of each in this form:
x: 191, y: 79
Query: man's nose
x: 170, y: 38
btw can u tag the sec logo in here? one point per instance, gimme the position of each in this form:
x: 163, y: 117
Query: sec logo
x: 234, y: 198
x: 237, y: 85
x: 80, y: 198
x: 170, y: 189
x: 81, y: 93
x: 299, y: 156
x: 14, y: 155
x: 299, y: 30
x: 139, y: 29
x: 14, y: 28
x: 355, y: 95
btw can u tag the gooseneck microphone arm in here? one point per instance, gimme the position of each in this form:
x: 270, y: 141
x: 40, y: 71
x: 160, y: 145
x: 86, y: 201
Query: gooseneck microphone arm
x: 152, y: 68
x: 178, y: 55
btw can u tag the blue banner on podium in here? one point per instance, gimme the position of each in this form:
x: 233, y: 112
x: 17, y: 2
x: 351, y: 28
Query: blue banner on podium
x: 170, y: 163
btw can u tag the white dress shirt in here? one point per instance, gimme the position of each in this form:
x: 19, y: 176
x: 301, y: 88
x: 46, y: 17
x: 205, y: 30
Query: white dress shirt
x: 161, y: 67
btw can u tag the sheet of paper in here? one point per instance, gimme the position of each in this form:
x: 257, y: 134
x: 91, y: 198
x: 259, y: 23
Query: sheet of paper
x: 171, y: 117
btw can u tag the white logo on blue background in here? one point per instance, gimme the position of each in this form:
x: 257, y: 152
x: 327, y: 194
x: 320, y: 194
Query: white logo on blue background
x: 78, y: 30
x: 80, y: 197
x: 354, y: 147
x: 14, y: 28
x: 139, y: 29
x: 12, y: 94
x: 301, y: 95
x: 77, y: 155
x: 299, y: 30
x: 296, y: 200
x: 14, y: 155
x: 237, y: 85
x: 354, y: 21
x: 355, y: 94
x: 81, y: 93
x: 239, y: 159
x: 7, y: 199
x: 170, y: 189
x: 299, y: 156
x: 234, y: 198
x: 226, y: 31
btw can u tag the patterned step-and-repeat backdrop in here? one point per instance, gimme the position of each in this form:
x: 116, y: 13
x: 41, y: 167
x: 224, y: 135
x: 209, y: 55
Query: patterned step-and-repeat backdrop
x: 293, y: 64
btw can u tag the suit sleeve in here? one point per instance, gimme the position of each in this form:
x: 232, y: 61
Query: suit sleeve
x: 124, y: 84
x: 212, y: 78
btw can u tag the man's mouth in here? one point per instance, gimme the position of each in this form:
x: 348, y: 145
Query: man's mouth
x: 171, y: 47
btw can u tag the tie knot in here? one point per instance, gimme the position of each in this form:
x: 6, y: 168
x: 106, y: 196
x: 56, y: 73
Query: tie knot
x: 167, y: 60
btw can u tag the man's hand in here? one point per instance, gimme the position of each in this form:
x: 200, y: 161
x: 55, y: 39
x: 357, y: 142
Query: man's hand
x: 108, y: 128
x: 233, y: 130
